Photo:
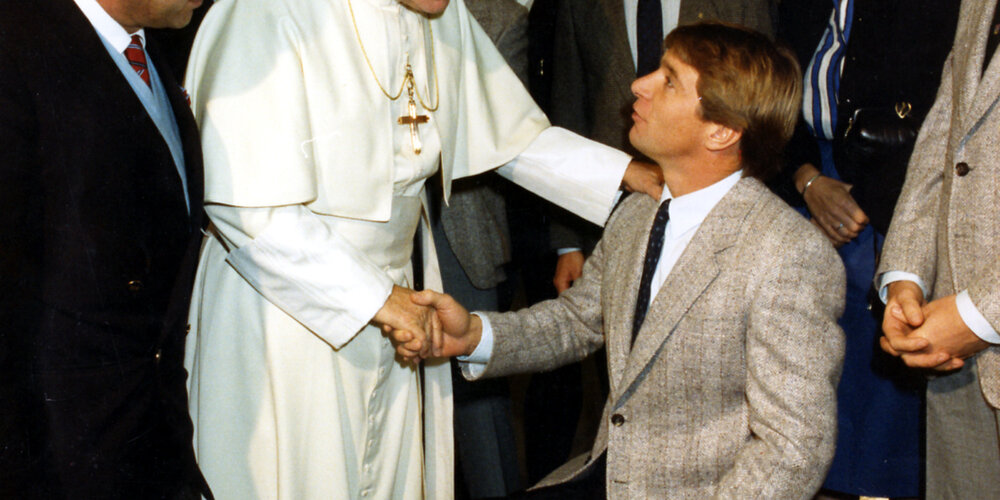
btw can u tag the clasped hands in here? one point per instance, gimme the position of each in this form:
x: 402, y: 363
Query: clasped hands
x: 926, y: 334
x: 427, y: 324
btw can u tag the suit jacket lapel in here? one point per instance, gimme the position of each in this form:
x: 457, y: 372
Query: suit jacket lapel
x: 618, y: 47
x: 978, y: 89
x: 190, y: 140
x: 624, y: 280
x: 696, y: 269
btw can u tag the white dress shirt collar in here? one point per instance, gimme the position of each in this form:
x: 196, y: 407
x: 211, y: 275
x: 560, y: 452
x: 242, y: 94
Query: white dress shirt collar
x: 691, y: 209
x: 107, y: 27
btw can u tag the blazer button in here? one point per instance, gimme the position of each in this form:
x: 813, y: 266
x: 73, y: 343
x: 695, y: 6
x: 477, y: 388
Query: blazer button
x: 617, y: 419
x: 134, y: 285
x: 961, y: 169
x: 187, y: 329
x: 158, y: 355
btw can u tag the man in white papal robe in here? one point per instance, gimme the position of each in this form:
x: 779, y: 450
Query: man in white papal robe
x: 315, y: 191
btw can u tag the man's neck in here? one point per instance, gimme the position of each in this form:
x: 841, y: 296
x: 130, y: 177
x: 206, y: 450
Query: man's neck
x: 119, y: 12
x: 683, y: 177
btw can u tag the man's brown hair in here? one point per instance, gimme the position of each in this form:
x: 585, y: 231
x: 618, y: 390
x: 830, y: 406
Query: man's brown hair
x: 746, y: 83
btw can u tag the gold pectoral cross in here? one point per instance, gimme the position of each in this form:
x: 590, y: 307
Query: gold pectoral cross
x: 412, y: 118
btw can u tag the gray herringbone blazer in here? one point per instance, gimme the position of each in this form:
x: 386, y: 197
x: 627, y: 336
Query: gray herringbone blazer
x: 946, y: 227
x: 730, y: 388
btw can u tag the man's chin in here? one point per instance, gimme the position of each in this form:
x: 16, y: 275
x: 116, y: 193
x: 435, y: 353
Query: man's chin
x: 633, y: 139
x: 429, y: 8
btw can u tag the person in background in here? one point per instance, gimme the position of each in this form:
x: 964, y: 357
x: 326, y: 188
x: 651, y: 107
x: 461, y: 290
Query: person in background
x: 940, y: 268
x: 871, y: 68
x: 472, y: 238
x: 100, y: 226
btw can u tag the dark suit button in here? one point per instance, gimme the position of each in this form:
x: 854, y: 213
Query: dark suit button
x: 187, y: 329
x: 134, y: 286
x: 158, y: 355
x: 617, y: 419
x: 961, y: 169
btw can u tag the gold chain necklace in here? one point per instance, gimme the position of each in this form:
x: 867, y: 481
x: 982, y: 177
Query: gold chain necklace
x: 408, y: 77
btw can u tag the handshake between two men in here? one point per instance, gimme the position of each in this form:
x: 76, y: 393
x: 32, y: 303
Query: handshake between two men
x: 433, y: 325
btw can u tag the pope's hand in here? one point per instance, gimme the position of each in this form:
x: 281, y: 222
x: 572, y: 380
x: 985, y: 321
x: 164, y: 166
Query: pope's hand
x: 644, y: 177
x: 401, y: 317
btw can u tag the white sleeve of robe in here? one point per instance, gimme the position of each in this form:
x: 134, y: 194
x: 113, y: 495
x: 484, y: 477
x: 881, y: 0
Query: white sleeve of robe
x: 299, y: 264
x: 306, y: 269
x: 572, y: 171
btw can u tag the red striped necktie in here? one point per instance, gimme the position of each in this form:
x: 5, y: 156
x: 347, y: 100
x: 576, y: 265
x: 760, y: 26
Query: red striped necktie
x: 137, y: 58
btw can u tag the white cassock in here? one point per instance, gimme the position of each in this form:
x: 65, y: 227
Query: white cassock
x: 315, y: 193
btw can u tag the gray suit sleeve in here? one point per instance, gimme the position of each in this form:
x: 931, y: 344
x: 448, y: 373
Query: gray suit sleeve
x: 554, y: 332
x: 910, y: 244
x: 794, y: 354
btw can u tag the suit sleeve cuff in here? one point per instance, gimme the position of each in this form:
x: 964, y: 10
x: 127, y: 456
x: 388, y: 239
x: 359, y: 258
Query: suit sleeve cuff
x: 474, y: 364
x: 974, y: 319
x: 893, y: 276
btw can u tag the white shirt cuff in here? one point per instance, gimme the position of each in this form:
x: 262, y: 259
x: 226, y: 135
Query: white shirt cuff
x: 893, y: 276
x: 974, y: 319
x: 563, y: 251
x: 474, y: 364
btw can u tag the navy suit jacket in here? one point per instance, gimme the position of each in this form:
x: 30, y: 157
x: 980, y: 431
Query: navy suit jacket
x: 97, y: 259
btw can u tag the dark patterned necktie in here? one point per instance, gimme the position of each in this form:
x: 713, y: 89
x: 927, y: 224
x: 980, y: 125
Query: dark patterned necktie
x: 653, y: 249
x: 137, y: 58
x: 648, y: 36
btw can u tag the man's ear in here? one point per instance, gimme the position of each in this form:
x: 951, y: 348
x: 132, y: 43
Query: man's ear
x: 722, y: 137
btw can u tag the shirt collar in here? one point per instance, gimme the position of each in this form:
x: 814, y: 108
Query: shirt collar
x: 107, y: 27
x: 688, y: 211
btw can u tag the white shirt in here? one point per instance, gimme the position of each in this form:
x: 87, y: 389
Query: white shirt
x: 686, y: 215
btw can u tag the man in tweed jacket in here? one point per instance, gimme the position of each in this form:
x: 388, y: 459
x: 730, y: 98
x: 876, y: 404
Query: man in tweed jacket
x: 940, y: 268
x: 727, y: 390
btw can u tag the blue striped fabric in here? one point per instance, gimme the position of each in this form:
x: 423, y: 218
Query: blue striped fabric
x: 822, y: 76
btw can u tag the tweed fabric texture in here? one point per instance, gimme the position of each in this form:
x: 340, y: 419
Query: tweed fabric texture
x: 729, y: 390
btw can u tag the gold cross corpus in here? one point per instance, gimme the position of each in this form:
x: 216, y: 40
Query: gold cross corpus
x: 411, y: 118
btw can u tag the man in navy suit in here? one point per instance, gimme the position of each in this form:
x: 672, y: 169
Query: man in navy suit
x: 100, y: 218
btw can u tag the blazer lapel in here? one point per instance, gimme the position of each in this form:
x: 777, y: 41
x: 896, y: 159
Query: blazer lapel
x: 623, y: 282
x: 190, y: 140
x: 696, y: 269
x: 978, y: 89
x: 618, y: 47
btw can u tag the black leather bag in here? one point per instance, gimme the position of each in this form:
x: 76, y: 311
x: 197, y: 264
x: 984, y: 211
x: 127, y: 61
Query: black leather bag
x: 874, y: 149
x: 878, y: 133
